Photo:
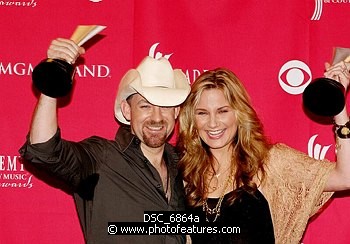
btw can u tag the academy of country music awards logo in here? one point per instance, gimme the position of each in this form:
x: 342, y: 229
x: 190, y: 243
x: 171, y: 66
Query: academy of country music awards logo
x: 319, y: 7
x: 13, y: 174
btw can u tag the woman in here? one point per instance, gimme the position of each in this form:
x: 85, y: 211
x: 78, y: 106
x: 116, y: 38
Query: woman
x: 236, y: 178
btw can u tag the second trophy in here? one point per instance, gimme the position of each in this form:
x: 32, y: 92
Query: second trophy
x: 324, y: 96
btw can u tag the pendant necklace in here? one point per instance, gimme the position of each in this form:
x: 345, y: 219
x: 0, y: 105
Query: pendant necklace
x: 216, y: 176
x: 217, y: 209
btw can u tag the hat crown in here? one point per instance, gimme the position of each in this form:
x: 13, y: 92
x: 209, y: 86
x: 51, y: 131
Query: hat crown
x: 156, y: 73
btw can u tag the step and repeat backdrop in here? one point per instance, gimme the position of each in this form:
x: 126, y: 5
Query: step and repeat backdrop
x: 275, y: 47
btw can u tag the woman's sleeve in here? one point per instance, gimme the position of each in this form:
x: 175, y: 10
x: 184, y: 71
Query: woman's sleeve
x: 294, y: 189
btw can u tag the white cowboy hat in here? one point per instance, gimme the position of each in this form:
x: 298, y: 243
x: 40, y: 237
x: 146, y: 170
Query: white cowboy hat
x: 155, y: 80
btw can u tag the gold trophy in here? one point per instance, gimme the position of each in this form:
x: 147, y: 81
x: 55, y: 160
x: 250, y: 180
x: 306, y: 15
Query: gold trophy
x: 324, y: 96
x: 54, y: 77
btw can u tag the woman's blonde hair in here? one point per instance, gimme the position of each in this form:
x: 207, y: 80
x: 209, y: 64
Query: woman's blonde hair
x: 250, y: 146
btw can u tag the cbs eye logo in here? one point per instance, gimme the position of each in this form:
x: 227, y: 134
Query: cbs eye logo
x: 294, y: 76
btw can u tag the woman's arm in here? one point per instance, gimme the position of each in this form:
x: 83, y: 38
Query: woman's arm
x: 339, y: 179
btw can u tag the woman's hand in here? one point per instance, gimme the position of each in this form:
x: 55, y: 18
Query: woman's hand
x: 339, y: 72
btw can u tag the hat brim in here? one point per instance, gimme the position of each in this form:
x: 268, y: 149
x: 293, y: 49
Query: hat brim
x: 124, y: 91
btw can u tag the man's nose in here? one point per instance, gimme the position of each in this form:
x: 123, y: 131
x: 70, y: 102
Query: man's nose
x: 156, y: 114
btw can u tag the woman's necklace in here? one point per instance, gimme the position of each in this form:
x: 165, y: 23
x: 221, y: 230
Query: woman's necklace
x: 216, y: 187
x: 216, y: 178
x: 217, y: 208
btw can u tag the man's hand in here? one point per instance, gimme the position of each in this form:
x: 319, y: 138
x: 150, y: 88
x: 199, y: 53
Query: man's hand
x: 65, y: 49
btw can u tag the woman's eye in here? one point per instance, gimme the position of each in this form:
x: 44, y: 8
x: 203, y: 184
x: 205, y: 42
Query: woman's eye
x: 200, y: 113
x: 223, y: 111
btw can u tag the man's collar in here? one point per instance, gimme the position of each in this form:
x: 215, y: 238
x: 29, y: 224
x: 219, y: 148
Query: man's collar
x: 124, y: 137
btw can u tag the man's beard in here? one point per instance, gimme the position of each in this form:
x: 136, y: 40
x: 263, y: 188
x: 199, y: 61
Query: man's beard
x: 155, y: 140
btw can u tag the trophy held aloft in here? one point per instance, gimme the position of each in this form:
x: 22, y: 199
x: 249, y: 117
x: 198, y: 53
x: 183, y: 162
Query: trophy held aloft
x: 324, y: 96
x: 54, y: 77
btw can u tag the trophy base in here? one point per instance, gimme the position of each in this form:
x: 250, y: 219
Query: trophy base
x: 324, y: 97
x: 53, y: 77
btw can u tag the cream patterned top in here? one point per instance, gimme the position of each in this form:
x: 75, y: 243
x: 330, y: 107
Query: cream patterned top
x: 293, y: 187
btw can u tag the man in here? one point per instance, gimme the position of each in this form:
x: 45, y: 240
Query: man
x: 117, y: 180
